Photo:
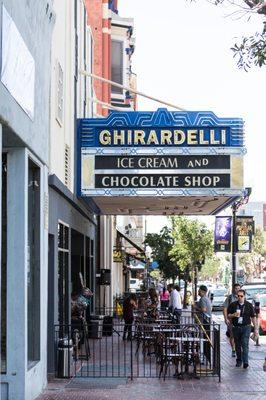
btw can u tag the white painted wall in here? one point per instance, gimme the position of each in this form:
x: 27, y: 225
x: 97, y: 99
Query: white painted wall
x: 63, y: 51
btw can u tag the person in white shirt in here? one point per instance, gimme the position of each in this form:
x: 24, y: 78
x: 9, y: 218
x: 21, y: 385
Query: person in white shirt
x: 175, y: 302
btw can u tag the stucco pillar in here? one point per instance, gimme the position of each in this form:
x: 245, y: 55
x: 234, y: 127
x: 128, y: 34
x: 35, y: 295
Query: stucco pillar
x: 17, y: 273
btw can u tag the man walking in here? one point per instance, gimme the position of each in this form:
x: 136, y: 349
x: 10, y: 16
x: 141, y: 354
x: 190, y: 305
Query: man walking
x: 230, y: 299
x: 241, y: 312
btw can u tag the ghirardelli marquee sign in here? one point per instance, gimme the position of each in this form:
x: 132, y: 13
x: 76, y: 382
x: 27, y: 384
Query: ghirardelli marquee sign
x: 160, y: 154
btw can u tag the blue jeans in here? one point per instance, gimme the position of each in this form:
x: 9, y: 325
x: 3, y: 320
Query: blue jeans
x: 241, y: 337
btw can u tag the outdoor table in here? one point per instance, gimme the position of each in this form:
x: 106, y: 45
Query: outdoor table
x: 186, y: 339
x: 187, y: 349
x: 162, y: 329
x: 163, y: 321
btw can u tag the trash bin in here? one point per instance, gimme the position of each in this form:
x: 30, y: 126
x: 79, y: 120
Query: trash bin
x: 96, y: 326
x: 107, y: 325
x: 64, y: 359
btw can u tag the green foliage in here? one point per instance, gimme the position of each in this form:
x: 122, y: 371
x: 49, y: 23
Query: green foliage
x: 211, y: 268
x: 258, y: 243
x: 181, y: 248
x: 252, y: 51
x: 161, y: 244
x: 193, y: 242
x: 156, y: 274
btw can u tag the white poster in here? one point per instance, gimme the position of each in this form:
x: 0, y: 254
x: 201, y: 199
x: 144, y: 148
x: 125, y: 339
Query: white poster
x: 18, y: 66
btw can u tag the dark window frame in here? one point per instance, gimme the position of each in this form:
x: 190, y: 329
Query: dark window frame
x: 34, y: 264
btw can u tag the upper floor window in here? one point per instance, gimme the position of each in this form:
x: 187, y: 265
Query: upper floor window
x: 60, y: 94
x: 117, y: 65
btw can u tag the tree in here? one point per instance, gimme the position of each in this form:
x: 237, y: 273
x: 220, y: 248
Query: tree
x: 211, y: 268
x: 161, y: 244
x: 250, y: 261
x: 193, y: 244
x: 156, y: 274
x: 252, y: 49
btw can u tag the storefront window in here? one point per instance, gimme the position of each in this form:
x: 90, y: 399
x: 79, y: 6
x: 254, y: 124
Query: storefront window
x: 33, y: 262
x: 90, y: 266
x: 3, y: 263
x: 63, y: 274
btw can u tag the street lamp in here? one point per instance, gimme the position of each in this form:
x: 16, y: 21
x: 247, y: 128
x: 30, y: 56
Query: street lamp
x: 235, y: 206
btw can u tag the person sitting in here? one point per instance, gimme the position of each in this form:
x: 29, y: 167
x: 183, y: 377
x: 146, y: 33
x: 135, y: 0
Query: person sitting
x: 152, y: 304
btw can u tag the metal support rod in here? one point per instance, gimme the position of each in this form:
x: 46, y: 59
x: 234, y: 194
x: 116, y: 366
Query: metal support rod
x: 130, y: 90
x: 233, y: 246
x: 235, y: 206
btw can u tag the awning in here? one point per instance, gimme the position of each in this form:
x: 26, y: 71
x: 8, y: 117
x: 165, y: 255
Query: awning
x: 133, y: 244
x: 136, y: 264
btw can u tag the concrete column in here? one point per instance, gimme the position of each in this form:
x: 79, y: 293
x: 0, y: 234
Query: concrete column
x: 17, y: 273
x: 0, y: 200
x: 24, y: 381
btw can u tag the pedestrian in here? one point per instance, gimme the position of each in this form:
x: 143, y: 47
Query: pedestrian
x: 129, y: 304
x: 241, y: 312
x: 164, y: 299
x: 204, y: 305
x: 175, y: 302
x: 230, y: 299
x: 159, y: 288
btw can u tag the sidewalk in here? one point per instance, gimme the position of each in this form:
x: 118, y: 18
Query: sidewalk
x: 237, y: 383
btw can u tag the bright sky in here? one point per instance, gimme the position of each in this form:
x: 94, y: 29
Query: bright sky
x: 183, y: 56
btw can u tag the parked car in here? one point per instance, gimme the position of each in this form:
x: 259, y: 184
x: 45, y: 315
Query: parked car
x: 253, y: 289
x: 217, y: 295
x: 261, y: 298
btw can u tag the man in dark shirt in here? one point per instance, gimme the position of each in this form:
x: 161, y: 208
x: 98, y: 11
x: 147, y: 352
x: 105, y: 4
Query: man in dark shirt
x: 241, y: 313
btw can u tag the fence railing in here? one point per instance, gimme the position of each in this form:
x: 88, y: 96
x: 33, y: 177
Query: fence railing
x: 163, y: 347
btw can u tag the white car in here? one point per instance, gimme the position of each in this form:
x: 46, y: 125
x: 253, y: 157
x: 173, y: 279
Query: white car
x: 218, y: 296
x: 252, y: 289
x: 134, y: 284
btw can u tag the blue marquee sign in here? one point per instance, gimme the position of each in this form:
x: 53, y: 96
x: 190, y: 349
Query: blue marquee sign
x: 161, y: 129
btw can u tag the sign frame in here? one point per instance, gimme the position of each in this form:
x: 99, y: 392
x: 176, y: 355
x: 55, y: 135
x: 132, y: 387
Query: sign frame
x: 89, y: 148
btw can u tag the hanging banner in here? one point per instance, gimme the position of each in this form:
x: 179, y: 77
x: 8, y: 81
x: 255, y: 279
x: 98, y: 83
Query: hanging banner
x: 222, y: 234
x: 244, y: 229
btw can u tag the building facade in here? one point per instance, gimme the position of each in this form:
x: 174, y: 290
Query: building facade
x: 113, y: 49
x: 26, y: 29
x: 72, y: 223
x: 257, y: 209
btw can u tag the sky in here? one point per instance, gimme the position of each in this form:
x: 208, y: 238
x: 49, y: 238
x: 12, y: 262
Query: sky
x: 183, y: 56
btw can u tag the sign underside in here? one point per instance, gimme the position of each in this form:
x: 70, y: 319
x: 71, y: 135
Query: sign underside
x: 176, y: 205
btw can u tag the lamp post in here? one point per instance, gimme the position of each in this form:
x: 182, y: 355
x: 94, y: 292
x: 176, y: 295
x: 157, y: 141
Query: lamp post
x: 235, y: 206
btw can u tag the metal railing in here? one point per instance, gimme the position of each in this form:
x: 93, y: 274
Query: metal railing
x: 161, y: 348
